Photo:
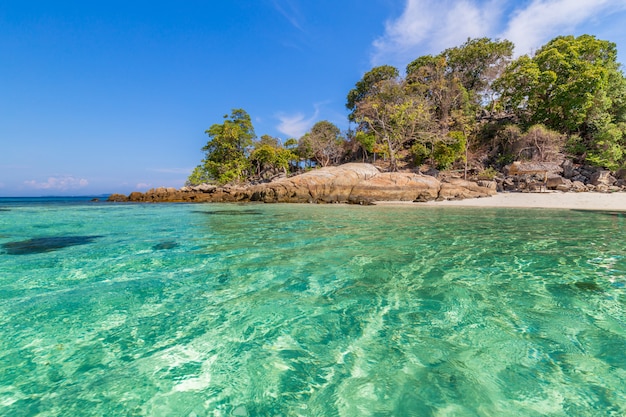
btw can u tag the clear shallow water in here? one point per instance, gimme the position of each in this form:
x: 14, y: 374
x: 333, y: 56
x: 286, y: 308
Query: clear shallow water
x: 301, y: 310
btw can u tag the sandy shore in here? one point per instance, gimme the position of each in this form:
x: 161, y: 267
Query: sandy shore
x: 557, y: 200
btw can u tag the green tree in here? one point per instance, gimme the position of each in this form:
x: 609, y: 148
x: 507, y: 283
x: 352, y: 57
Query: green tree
x: 367, y: 86
x: 573, y: 85
x: 477, y: 64
x: 430, y: 77
x: 366, y: 142
x: 326, y: 143
x: 304, y: 150
x: 394, y: 116
x: 269, y: 156
x: 225, y: 153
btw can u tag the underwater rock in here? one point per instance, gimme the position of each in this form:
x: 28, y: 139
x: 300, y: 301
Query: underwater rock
x: 45, y: 244
x: 587, y: 286
x: 232, y: 212
x: 170, y: 244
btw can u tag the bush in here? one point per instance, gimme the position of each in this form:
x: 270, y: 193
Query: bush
x: 420, y: 153
x: 447, y: 152
x: 488, y: 174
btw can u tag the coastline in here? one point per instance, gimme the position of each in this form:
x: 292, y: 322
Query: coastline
x: 545, y: 200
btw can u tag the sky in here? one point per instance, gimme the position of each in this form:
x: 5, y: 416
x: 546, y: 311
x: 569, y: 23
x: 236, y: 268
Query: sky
x: 108, y: 96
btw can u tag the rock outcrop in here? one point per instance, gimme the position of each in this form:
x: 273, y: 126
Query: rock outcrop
x: 565, y: 177
x: 353, y: 183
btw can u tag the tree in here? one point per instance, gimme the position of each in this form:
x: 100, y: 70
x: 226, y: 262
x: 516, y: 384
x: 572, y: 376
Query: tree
x: 458, y: 84
x: 326, y: 143
x: 225, y: 153
x: 573, y: 85
x: 477, y: 64
x: 429, y: 76
x: 367, y: 86
x: 269, y: 156
x: 394, y: 116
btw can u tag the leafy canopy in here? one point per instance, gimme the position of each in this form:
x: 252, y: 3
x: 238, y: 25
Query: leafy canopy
x: 225, y: 153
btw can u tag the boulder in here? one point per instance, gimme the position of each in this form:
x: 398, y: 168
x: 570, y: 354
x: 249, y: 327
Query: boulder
x: 579, y: 187
x: 349, y: 183
x: 396, y: 187
x: 602, y: 188
x: 602, y: 177
x: 620, y: 174
x: 568, y: 169
x: 556, y: 182
x: 117, y: 198
x: 488, y: 184
x: 458, y: 189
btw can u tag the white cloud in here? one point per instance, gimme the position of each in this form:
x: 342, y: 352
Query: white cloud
x: 60, y: 183
x: 430, y: 26
x: 143, y: 186
x: 531, y: 27
x: 296, y: 125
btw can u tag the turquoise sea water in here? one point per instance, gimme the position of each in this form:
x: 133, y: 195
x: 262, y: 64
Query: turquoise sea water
x: 306, y: 310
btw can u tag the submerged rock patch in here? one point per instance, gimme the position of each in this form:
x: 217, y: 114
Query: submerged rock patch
x: 232, y: 212
x: 45, y: 244
x: 170, y: 244
x: 587, y: 286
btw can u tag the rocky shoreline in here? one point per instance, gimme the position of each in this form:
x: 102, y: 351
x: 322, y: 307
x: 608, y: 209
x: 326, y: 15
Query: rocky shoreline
x: 353, y: 183
x: 360, y: 183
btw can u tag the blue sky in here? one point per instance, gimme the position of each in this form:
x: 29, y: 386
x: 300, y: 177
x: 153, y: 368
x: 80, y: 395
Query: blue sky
x: 114, y: 96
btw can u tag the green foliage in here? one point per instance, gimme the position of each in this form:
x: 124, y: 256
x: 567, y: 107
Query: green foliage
x: 608, y: 147
x: 477, y: 64
x: 367, y: 86
x: 291, y: 143
x: 268, y: 158
x: 445, y: 153
x: 365, y: 140
x: 488, y: 174
x: 573, y: 85
x: 199, y: 175
x: 324, y: 143
x: 420, y: 153
x: 461, y: 77
x: 574, y: 145
x: 225, y: 160
x: 394, y: 116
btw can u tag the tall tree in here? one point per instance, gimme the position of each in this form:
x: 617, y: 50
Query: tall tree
x: 325, y: 142
x: 225, y: 153
x: 573, y: 85
x: 394, y: 116
x: 269, y: 156
x: 477, y: 64
x: 430, y: 77
x: 367, y: 86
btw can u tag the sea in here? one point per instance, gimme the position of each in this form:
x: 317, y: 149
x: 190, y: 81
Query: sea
x: 121, y: 309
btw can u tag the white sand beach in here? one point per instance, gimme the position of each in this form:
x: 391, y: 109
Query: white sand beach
x: 557, y: 200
